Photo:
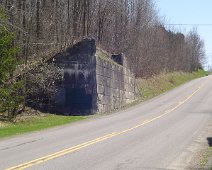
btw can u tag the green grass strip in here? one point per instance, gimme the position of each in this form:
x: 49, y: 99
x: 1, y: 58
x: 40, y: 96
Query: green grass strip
x: 36, y: 124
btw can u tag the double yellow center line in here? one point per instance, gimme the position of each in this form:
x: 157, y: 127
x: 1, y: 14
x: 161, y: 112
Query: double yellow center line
x: 100, y: 139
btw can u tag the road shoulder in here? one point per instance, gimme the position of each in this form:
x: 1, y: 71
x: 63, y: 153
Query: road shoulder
x: 198, y: 155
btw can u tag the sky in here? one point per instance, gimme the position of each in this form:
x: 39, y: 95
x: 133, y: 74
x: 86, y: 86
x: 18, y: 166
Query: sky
x: 190, y: 12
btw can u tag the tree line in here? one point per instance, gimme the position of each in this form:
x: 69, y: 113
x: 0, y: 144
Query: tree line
x: 132, y: 27
x: 43, y: 28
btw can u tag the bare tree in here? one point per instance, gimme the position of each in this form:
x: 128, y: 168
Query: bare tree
x: 46, y: 27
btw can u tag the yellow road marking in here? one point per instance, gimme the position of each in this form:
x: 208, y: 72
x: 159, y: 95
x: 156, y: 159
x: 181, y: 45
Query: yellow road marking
x: 100, y: 139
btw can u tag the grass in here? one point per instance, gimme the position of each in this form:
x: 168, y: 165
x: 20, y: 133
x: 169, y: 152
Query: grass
x: 148, y: 88
x: 105, y: 56
x: 208, y: 73
x: 36, y: 124
x: 164, y: 82
x: 205, y: 157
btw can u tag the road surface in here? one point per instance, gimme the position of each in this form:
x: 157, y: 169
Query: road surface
x: 150, y: 135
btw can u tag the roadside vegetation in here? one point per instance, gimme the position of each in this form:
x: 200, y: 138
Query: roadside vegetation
x: 210, y: 156
x: 205, y: 159
x: 31, y: 32
x: 11, y: 93
x: 149, y: 88
x: 35, y: 124
x: 41, y: 31
x: 164, y: 82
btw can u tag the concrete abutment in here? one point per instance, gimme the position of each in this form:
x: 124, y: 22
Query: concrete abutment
x: 93, y: 81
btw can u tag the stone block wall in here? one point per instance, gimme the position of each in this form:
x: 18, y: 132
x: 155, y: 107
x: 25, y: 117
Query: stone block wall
x: 93, y: 80
x: 115, y: 85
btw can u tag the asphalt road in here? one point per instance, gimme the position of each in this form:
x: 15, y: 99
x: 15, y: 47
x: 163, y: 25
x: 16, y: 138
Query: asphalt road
x: 150, y: 135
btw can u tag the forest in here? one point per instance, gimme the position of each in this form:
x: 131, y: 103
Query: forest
x: 35, y: 30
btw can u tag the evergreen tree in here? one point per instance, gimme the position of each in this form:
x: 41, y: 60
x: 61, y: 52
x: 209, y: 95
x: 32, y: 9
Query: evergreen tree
x: 11, y: 95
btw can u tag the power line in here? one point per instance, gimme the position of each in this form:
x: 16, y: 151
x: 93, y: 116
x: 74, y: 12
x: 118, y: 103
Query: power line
x: 189, y: 24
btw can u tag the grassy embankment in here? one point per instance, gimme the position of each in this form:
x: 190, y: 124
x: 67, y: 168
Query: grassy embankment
x: 150, y: 88
x: 164, y: 82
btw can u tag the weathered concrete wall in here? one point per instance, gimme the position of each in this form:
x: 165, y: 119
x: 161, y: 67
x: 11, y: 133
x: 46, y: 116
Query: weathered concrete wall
x: 115, y: 85
x: 92, y: 78
x: 77, y: 93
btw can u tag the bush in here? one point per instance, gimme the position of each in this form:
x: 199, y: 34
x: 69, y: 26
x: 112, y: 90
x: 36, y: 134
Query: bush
x: 42, y: 85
